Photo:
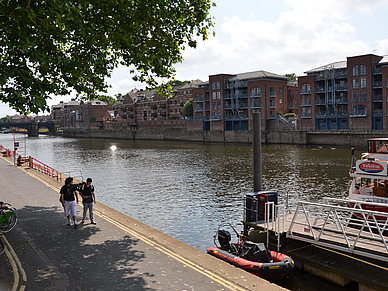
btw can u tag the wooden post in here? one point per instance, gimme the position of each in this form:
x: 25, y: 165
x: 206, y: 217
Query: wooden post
x: 256, y: 151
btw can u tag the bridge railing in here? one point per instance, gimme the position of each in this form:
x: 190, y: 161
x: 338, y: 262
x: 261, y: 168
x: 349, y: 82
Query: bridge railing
x: 42, y: 167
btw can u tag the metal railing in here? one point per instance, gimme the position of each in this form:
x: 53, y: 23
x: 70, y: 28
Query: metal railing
x: 344, y: 228
x: 47, y: 170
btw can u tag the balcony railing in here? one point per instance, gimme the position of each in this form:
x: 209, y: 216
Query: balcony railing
x: 359, y: 113
x: 377, y: 85
x: 272, y: 106
x: 377, y: 98
x: 272, y: 94
x: 377, y: 112
x: 255, y: 105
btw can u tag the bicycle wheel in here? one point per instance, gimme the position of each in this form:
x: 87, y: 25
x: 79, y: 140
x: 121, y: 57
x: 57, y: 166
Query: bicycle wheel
x: 8, y: 220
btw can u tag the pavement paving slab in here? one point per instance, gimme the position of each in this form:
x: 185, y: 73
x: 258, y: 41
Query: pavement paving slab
x: 118, y: 253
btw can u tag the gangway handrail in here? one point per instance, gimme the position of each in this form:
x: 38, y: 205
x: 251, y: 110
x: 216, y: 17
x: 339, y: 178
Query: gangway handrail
x: 329, y: 227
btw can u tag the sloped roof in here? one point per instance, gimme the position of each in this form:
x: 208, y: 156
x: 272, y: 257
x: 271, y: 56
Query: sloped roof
x: 335, y: 65
x: 257, y: 75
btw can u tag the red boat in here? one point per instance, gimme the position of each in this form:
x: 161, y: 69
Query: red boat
x: 252, y: 257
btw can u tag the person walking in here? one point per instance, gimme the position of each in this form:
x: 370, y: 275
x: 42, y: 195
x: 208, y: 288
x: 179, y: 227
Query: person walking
x: 69, y: 197
x: 88, y: 199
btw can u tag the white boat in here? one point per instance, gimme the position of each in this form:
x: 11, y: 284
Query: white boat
x: 369, y: 175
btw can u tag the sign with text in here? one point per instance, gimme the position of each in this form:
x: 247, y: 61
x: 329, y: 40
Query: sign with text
x: 371, y: 167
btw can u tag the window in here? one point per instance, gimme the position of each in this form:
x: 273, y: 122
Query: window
x: 363, y: 96
x: 218, y: 85
x: 214, y: 95
x: 213, y: 85
x: 356, y: 97
x: 355, y: 71
x: 256, y: 92
x: 218, y: 95
x: 308, y: 88
x: 356, y: 84
x: 363, y: 83
x: 362, y: 70
x: 280, y: 90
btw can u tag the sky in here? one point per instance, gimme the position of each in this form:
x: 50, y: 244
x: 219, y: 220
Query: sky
x: 278, y: 36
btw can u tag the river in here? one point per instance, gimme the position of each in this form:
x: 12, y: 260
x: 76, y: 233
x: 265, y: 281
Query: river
x: 186, y: 189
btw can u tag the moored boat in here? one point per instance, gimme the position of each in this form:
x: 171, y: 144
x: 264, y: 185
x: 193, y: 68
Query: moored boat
x: 252, y: 257
x: 369, y: 183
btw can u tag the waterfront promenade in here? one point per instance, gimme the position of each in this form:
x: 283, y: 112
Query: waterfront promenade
x: 119, y: 253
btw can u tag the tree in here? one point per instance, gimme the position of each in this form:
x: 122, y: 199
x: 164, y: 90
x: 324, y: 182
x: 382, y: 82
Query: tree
x: 291, y: 77
x: 187, y: 109
x: 107, y: 99
x: 5, y: 119
x: 54, y: 47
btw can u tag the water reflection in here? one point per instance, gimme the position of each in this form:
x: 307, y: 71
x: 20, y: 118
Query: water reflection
x: 186, y: 189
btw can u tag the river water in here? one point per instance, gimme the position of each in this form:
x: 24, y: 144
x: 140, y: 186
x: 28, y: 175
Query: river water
x: 186, y: 189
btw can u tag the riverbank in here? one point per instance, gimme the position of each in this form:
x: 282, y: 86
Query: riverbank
x: 345, y: 139
x: 119, y: 253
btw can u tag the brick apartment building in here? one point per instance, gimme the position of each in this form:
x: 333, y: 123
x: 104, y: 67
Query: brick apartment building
x: 141, y: 106
x: 227, y: 101
x: 346, y: 95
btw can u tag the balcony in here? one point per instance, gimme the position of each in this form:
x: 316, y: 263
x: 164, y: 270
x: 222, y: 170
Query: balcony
x: 377, y: 71
x: 359, y: 113
x: 377, y: 98
x: 341, y: 74
x: 243, y: 105
x: 198, y: 99
x: 335, y: 114
x: 377, y: 112
x: 341, y: 88
x: 377, y: 85
x: 306, y: 103
x: 304, y: 92
x: 320, y: 102
x: 256, y: 105
x: 272, y: 94
x: 272, y: 105
x: 320, y: 90
x: 306, y: 115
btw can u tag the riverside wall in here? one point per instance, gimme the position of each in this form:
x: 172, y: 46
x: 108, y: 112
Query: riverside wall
x: 345, y: 139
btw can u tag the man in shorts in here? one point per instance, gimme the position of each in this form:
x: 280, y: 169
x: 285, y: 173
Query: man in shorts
x: 69, y: 196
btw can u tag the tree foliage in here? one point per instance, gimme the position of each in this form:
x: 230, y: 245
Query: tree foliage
x: 5, y: 119
x: 187, y: 109
x: 107, y: 99
x: 50, y: 47
x: 291, y: 77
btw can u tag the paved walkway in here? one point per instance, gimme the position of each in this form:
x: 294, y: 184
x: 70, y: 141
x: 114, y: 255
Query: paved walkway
x: 119, y: 253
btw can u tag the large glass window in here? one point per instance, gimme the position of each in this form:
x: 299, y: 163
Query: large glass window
x: 363, y: 96
x: 362, y: 70
x: 356, y: 97
x: 363, y: 83
x: 356, y: 84
x: 355, y: 71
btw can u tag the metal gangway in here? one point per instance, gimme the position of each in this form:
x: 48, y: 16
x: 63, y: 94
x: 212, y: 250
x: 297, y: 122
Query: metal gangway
x: 333, y: 224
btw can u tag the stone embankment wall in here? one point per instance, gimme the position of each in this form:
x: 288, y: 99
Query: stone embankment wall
x: 315, y: 138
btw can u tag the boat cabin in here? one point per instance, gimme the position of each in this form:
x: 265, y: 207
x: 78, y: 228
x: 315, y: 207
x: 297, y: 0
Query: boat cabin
x: 377, y: 148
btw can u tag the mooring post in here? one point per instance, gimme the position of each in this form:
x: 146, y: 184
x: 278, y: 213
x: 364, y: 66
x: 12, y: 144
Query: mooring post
x: 256, y: 151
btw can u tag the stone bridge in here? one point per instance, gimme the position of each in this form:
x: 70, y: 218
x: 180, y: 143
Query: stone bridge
x: 33, y: 126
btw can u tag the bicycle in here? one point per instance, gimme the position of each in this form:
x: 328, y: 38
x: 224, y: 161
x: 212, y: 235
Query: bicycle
x: 8, y: 217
